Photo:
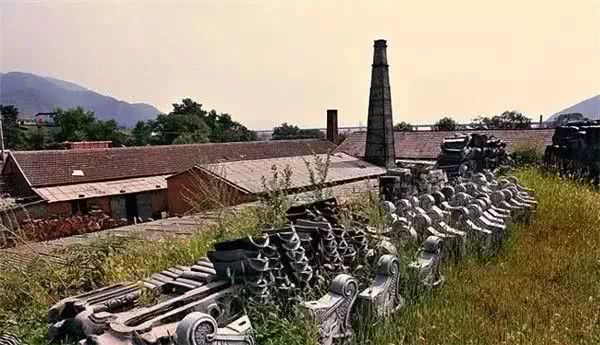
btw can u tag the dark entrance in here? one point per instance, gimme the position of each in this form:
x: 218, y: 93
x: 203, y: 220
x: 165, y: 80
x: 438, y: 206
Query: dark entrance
x: 131, y: 206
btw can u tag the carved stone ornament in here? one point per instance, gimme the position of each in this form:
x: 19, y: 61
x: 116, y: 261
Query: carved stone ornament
x: 383, y: 296
x: 332, y: 311
x: 202, y: 329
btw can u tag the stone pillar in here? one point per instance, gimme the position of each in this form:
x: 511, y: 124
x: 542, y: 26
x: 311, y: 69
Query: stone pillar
x: 380, y: 128
x: 332, y: 125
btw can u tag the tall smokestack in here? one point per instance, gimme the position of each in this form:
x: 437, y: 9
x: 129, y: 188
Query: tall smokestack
x: 380, y: 126
x: 332, y: 125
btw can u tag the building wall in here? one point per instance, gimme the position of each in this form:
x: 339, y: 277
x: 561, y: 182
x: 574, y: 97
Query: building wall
x: 194, y: 190
x: 16, y: 182
x: 64, y: 208
x: 160, y: 202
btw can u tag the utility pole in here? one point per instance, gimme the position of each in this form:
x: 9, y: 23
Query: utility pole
x: 1, y: 138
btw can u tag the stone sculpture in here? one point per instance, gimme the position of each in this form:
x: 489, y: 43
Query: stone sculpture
x: 332, y: 311
x: 426, y: 269
x: 383, y: 296
x: 202, y: 329
x: 9, y: 339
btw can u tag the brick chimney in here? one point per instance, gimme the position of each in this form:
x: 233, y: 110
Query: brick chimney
x: 332, y: 125
x: 380, y: 125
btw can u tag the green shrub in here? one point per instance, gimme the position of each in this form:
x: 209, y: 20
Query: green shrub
x: 526, y: 156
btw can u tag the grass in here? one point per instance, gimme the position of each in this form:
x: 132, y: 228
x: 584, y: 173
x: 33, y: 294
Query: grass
x: 544, y: 288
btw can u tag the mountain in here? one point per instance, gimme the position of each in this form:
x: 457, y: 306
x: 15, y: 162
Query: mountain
x: 590, y: 108
x: 33, y: 94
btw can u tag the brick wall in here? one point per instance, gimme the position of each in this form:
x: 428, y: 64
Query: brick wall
x: 195, y: 189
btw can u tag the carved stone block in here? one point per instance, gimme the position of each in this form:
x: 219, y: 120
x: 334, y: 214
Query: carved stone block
x: 383, y: 296
x: 202, y: 329
x: 76, y: 314
x: 426, y: 269
x: 332, y: 311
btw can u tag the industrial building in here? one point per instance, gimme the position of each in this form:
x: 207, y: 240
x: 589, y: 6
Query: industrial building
x: 125, y: 182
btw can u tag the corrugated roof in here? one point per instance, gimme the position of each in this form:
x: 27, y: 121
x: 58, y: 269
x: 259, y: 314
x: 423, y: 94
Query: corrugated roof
x: 99, y: 189
x: 426, y: 144
x: 59, y: 167
x: 247, y: 175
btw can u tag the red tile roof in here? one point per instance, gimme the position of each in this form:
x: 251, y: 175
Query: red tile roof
x: 426, y: 144
x: 58, y: 167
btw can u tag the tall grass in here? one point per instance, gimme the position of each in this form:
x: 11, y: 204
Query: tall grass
x: 543, y: 289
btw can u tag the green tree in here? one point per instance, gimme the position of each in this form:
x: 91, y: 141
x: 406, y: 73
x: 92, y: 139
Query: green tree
x: 446, y: 124
x: 78, y: 124
x: 105, y: 130
x: 144, y: 133
x: 197, y: 137
x: 37, y: 138
x: 73, y: 123
x: 404, y: 127
x: 224, y: 129
x: 286, y: 132
x: 190, y: 122
x: 506, y: 120
x: 14, y: 135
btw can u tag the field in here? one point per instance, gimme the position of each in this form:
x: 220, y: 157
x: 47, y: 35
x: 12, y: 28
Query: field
x: 544, y: 288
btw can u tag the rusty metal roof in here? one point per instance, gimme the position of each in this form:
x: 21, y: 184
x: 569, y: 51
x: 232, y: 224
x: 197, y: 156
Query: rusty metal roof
x: 100, y: 189
x: 248, y: 175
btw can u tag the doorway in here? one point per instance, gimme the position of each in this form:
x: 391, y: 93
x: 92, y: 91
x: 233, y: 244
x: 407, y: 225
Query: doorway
x: 131, y: 211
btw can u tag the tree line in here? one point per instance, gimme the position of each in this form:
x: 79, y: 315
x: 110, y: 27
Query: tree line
x: 190, y: 123
x: 187, y: 123
x: 506, y: 120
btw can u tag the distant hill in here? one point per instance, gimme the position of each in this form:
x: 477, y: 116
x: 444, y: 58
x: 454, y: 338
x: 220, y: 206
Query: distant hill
x: 32, y: 94
x: 590, y: 108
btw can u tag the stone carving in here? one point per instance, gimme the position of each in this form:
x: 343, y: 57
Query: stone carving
x: 466, y: 154
x: 9, y: 339
x: 383, y: 296
x: 332, y: 311
x: 89, y: 312
x: 202, y: 329
x: 426, y: 269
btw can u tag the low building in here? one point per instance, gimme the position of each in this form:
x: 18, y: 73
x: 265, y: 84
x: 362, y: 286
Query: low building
x: 231, y: 183
x: 126, y: 182
x: 425, y: 145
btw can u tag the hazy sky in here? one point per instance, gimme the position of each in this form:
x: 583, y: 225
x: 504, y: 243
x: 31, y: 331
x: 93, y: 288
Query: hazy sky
x: 266, y: 62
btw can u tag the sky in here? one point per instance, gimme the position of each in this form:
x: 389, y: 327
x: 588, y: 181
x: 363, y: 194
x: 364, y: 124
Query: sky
x: 268, y: 62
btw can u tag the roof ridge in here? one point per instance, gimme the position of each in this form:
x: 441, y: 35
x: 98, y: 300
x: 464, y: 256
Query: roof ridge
x: 155, y: 147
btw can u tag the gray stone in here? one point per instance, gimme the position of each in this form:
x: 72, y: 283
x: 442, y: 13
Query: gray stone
x: 202, y: 329
x: 427, y: 268
x: 332, y: 311
x: 383, y: 296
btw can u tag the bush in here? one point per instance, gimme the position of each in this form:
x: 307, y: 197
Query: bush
x: 526, y: 156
